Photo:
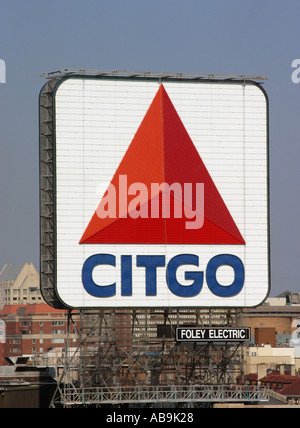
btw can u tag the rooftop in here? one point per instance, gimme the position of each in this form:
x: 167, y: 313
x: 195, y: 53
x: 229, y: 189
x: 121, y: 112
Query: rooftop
x: 286, y: 385
x: 36, y: 308
x: 10, y: 272
x: 274, y: 310
x: 292, y: 390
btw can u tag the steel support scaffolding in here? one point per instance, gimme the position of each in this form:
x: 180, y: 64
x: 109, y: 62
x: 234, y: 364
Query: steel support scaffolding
x: 164, y: 394
x: 131, y: 356
x: 47, y: 196
x: 54, y: 75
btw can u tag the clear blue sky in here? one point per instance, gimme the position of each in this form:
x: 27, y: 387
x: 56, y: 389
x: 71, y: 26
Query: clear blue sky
x: 192, y: 36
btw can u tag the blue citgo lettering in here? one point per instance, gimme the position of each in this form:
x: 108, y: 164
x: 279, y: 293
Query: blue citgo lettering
x: 151, y: 263
x: 211, y: 278
x: 87, y: 275
x: 177, y: 288
x: 126, y: 275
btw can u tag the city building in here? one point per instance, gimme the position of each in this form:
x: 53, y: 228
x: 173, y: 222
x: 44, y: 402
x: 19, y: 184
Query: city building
x: 34, y: 330
x: 275, y: 338
x: 277, y: 315
x: 19, y: 285
x: 284, y: 388
x: 263, y: 359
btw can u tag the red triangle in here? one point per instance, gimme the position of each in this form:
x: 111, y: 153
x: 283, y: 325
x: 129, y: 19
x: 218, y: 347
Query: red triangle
x: 163, y: 152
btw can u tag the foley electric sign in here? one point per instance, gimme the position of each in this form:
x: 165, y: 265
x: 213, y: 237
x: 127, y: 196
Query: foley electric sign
x: 161, y: 193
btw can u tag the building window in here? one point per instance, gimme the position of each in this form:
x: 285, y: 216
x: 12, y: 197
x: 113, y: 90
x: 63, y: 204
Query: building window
x: 57, y: 340
x: 58, y: 332
x: 57, y: 323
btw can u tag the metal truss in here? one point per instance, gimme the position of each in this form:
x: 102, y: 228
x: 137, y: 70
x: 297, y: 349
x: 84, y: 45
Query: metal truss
x: 47, y: 195
x: 164, y: 394
x: 131, y: 356
x: 150, y: 75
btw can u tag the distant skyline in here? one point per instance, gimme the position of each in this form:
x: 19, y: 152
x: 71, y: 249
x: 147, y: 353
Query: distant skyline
x: 232, y: 37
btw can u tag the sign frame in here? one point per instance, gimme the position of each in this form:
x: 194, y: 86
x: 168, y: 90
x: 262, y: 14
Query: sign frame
x: 49, y: 284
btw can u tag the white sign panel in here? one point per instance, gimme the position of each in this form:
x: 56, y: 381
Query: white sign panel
x: 161, y: 193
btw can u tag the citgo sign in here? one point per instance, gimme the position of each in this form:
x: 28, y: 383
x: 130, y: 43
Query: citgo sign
x: 161, y: 193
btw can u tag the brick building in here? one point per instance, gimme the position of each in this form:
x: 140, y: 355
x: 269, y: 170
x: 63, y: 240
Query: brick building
x: 283, y: 320
x: 33, y: 329
x: 265, y: 336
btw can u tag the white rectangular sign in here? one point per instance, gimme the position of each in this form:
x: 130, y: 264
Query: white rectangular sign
x: 213, y: 334
x: 161, y: 193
